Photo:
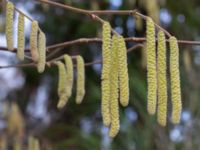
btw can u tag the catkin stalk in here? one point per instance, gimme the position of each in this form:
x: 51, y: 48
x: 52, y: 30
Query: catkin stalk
x: 175, y: 80
x: 114, y: 106
x: 33, y: 41
x: 123, y: 72
x: 151, y: 67
x: 61, y: 85
x: 9, y: 25
x: 162, y: 80
x: 105, y: 78
x: 80, y: 88
x: 42, y: 52
x: 70, y: 74
x: 21, y: 37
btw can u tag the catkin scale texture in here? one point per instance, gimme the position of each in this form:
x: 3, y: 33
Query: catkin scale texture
x: 9, y: 25
x: 61, y: 85
x: 70, y: 74
x: 123, y: 72
x: 114, y: 95
x: 80, y: 88
x: 151, y: 67
x: 34, y: 41
x: 21, y: 38
x: 105, y: 77
x: 175, y: 80
x: 42, y: 52
x: 162, y: 80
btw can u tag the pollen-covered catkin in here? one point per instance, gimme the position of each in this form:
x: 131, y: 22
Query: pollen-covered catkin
x: 123, y: 72
x: 80, y: 87
x: 162, y: 80
x: 21, y: 37
x: 42, y: 52
x: 114, y: 95
x: 151, y: 67
x: 33, y: 143
x: 175, y: 80
x: 9, y: 25
x: 34, y: 40
x: 61, y: 85
x: 70, y: 74
x: 105, y: 76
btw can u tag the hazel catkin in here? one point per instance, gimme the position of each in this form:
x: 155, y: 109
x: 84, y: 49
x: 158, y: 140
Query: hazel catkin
x: 33, y: 41
x: 70, y: 74
x: 21, y: 38
x: 33, y: 143
x: 105, y: 76
x: 42, y: 52
x: 114, y: 95
x: 175, y: 80
x: 80, y: 87
x: 61, y: 85
x: 9, y: 25
x: 123, y: 72
x: 151, y: 67
x: 162, y: 80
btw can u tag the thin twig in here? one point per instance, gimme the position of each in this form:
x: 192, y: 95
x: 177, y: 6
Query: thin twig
x: 96, y: 40
x: 19, y: 11
x: 95, y: 12
x: 52, y: 62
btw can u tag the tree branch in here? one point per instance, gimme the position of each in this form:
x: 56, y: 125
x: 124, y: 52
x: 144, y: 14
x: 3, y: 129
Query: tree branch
x: 51, y: 62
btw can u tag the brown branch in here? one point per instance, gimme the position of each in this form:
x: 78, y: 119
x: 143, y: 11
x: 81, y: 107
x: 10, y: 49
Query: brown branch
x: 86, y: 12
x: 97, y: 40
x: 93, y: 13
x: 52, y: 62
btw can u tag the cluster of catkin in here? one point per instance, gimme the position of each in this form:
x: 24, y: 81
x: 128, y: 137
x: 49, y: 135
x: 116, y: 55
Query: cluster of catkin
x: 66, y: 77
x: 157, y: 76
x: 37, y: 38
x: 115, y: 80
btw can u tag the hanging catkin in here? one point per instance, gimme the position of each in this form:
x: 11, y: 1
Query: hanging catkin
x: 123, y: 72
x: 21, y: 37
x: 175, y: 80
x: 33, y: 40
x: 114, y: 95
x: 42, y: 52
x: 162, y: 80
x: 70, y: 74
x: 61, y: 85
x: 9, y: 25
x: 105, y: 79
x: 151, y: 67
x: 33, y: 143
x: 80, y: 87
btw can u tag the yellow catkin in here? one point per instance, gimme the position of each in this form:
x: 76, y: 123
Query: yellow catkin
x: 70, y: 74
x: 162, y: 80
x: 17, y: 145
x: 80, y: 87
x: 175, y: 80
x: 21, y: 37
x: 105, y: 83
x: 61, y: 85
x: 9, y: 25
x: 114, y: 106
x: 151, y: 67
x: 33, y: 143
x: 33, y: 40
x: 42, y: 52
x: 123, y: 72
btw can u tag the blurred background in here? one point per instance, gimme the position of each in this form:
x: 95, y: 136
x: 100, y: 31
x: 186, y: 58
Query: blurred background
x: 28, y: 100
